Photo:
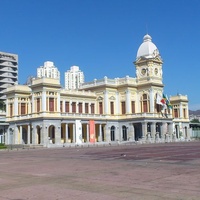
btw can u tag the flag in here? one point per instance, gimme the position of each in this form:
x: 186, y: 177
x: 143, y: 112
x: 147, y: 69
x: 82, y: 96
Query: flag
x: 163, y: 100
x: 168, y: 102
x: 158, y: 99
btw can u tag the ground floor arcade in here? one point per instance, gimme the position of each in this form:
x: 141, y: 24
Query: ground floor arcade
x: 66, y: 132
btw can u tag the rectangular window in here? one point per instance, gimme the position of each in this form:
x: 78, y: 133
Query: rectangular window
x: 176, y: 113
x: 145, y: 106
x: 92, y: 108
x: 112, y: 108
x: 133, y: 106
x: 74, y: 107
x: 86, y: 108
x: 123, y: 105
x: 51, y: 104
x: 23, y: 108
x: 80, y: 108
x: 38, y: 105
x: 100, y: 108
x: 61, y: 106
x: 67, y: 106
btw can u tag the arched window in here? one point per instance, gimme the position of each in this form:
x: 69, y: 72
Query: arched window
x: 145, y: 103
x: 124, y: 133
x: 112, y: 133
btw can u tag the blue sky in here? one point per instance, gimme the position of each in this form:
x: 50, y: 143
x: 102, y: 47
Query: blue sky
x: 102, y: 37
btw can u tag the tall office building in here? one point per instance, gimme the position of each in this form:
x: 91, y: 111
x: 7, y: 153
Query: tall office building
x: 73, y: 78
x: 8, y: 72
x: 48, y: 71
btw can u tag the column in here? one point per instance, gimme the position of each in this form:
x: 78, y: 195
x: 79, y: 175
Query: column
x: 128, y: 102
x: 74, y: 132
x: 181, y: 110
x: 15, y: 135
x: 58, y: 135
x: 170, y: 129
x: 58, y: 102
x: 153, y: 130
x: 83, y: 107
x: 100, y: 133
x: 44, y: 101
x: 187, y: 133
x: 29, y: 134
x: 20, y: 135
x: 66, y: 133
x: 8, y: 108
x: 16, y: 106
x: 77, y: 107
x: 105, y: 102
x: 42, y: 132
x: 131, y: 132
x: 107, y: 133
x: 151, y: 101
x: 63, y: 106
x: 116, y: 107
x: 137, y: 103
x: 163, y: 130
x: 144, y: 130
x: 70, y: 106
x: 88, y: 138
x: 33, y: 103
x: 33, y: 134
x: 178, y: 131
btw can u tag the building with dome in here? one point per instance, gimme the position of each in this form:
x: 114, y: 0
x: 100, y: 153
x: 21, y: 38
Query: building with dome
x: 106, y: 111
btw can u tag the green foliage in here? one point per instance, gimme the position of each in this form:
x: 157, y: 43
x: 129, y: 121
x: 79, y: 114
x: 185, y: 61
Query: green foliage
x: 2, y: 146
x: 195, y: 121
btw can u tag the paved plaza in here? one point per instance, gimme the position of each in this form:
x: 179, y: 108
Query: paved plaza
x: 137, y: 171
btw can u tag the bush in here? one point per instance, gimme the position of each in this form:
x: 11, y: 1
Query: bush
x: 2, y: 146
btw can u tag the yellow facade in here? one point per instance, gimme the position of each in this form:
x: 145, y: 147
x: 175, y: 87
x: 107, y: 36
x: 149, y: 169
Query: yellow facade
x: 121, y: 109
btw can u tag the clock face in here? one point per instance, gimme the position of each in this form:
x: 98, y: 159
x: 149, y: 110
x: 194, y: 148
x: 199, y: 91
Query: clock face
x: 143, y: 71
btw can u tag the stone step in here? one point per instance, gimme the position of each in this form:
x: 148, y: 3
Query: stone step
x: 24, y: 146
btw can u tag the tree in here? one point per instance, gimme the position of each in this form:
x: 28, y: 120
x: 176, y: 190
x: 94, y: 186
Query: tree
x: 194, y: 121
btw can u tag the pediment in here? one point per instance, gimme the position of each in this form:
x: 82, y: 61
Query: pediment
x: 100, y: 98
x: 112, y: 98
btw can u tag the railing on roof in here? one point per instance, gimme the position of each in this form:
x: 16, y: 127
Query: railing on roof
x: 107, y: 81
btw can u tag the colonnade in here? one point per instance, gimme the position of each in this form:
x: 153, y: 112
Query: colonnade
x: 63, y: 133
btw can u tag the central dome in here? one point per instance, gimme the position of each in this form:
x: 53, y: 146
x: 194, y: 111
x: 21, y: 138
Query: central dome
x: 147, y: 49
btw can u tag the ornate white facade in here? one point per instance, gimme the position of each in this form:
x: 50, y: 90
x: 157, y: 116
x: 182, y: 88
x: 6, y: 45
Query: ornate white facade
x: 102, y: 111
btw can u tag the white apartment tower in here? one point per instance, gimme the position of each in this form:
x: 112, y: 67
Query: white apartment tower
x: 8, y: 72
x: 73, y: 78
x: 48, y: 71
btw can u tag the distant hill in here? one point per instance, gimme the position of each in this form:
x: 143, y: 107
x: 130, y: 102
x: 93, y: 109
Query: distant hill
x: 196, y: 112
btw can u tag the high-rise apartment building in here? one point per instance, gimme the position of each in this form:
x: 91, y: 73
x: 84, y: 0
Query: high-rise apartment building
x: 73, y: 78
x: 8, y: 72
x: 48, y: 71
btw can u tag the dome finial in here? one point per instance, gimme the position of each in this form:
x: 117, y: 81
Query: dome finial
x: 147, y: 37
x: 147, y: 49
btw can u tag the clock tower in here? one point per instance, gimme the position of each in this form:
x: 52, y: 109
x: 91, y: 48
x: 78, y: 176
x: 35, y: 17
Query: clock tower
x: 148, y: 63
x: 149, y: 73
